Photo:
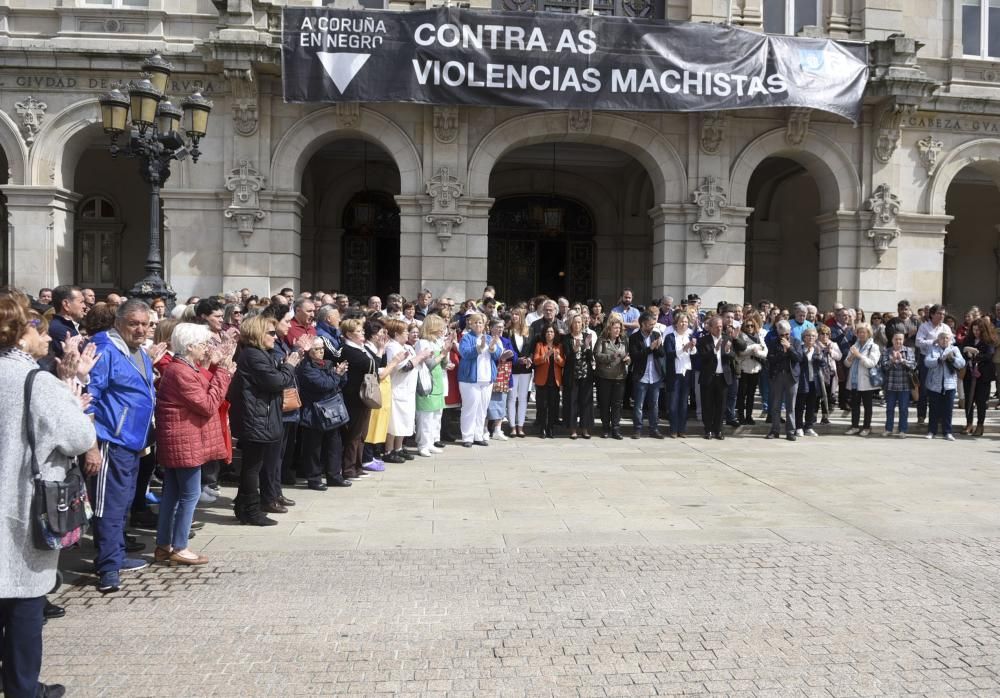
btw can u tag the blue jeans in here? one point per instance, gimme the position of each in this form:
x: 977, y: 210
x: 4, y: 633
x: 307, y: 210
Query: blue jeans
x: 892, y: 399
x: 940, y: 405
x: 181, y: 489
x: 21, y: 645
x: 647, y: 400
x: 679, y: 403
x: 764, y: 386
x: 732, y: 392
x: 114, y: 490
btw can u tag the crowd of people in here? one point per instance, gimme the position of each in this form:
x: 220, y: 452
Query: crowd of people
x: 317, y: 390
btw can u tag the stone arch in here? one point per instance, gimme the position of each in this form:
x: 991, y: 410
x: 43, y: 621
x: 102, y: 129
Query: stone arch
x: 312, y: 132
x: 642, y: 142
x: 984, y: 153
x: 831, y: 167
x: 61, y: 142
x: 14, y: 148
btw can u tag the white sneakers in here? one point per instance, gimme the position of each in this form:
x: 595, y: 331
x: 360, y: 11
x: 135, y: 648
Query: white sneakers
x: 498, y: 435
x: 811, y: 432
x: 425, y: 452
x: 435, y: 449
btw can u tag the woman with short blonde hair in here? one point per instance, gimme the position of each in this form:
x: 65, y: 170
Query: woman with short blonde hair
x: 863, y: 356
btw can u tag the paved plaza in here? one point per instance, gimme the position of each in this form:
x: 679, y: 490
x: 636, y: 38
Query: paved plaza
x: 836, y: 566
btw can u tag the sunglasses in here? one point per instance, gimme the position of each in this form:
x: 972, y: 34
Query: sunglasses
x: 272, y: 333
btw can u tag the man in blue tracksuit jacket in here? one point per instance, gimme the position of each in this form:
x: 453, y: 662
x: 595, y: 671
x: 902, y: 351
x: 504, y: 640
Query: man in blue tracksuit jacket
x: 122, y: 400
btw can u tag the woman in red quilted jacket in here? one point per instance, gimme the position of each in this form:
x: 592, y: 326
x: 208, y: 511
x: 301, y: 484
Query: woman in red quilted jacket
x: 188, y: 434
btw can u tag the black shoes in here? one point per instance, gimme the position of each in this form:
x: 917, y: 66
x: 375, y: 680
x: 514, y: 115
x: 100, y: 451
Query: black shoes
x: 144, y: 519
x: 656, y: 434
x: 133, y: 546
x: 637, y: 434
x: 317, y: 486
x: 772, y: 435
x: 438, y: 444
x: 52, y: 690
x: 274, y: 507
x: 338, y: 483
x: 52, y: 611
x: 719, y: 436
x: 708, y: 435
x: 790, y: 437
x: 478, y: 443
x: 282, y: 499
x: 733, y: 423
x: 615, y: 434
x: 405, y: 454
x: 749, y: 421
x: 393, y: 457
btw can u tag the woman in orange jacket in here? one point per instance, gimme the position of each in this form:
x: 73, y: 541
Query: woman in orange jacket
x: 548, y: 361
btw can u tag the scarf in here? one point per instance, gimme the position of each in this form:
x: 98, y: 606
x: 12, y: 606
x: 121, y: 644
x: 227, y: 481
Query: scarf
x: 855, y: 372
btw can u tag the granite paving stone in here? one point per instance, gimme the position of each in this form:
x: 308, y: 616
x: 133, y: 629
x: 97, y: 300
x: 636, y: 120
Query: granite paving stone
x: 834, y: 566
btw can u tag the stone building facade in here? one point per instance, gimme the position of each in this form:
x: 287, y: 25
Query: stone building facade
x: 366, y: 198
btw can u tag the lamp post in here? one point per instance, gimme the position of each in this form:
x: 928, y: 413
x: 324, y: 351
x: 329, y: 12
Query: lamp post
x: 153, y: 128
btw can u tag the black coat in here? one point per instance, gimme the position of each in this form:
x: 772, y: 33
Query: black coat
x: 640, y: 354
x: 781, y: 361
x: 359, y: 362
x: 706, y: 352
x: 317, y: 382
x: 256, y: 396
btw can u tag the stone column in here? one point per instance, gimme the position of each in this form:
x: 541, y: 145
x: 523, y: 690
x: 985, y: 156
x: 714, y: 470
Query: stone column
x: 270, y: 259
x: 194, y: 231
x: 839, y: 258
x: 411, y: 243
x: 40, y: 221
x: 463, y: 271
x: 671, y: 226
x: 920, y: 255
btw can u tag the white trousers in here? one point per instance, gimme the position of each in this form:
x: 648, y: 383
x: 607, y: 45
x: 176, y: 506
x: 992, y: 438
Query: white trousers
x: 428, y: 428
x: 475, y: 400
x: 517, y: 399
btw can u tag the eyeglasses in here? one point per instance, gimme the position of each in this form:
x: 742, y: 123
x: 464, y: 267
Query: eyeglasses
x: 272, y: 333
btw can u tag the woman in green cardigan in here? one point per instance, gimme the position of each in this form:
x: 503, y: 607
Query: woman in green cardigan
x: 434, y: 335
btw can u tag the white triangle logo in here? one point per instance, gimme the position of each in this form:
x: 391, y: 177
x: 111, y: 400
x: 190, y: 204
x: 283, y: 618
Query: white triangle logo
x: 342, y: 67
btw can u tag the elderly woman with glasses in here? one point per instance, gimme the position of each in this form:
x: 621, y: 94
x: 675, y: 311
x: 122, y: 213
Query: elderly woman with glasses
x: 322, y: 452
x: 188, y: 434
x: 256, y: 396
x: 862, y: 381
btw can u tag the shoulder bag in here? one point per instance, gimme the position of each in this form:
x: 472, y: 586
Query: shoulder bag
x: 290, y: 400
x: 59, y: 510
x: 328, y: 414
x: 875, y: 377
x: 371, y: 392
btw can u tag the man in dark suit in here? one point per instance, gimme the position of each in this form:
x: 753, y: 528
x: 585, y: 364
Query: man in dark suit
x: 646, y: 351
x: 717, y: 351
x: 784, y: 364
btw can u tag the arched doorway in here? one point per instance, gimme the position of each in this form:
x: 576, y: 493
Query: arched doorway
x: 782, y: 249
x: 972, y: 243
x: 351, y: 224
x: 111, y: 225
x: 541, y: 244
x: 569, y: 219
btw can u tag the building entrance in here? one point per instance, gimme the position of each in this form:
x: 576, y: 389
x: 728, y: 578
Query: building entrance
x: 540, y: 245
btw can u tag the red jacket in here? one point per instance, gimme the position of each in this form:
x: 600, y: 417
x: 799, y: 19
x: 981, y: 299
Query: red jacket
x: 296, y: 330
x: 189, y: 431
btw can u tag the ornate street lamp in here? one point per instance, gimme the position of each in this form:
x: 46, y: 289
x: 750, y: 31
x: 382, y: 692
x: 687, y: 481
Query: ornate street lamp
x: 153, y: 128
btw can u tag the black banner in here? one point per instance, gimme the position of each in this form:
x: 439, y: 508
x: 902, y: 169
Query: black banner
x: 553, y: 61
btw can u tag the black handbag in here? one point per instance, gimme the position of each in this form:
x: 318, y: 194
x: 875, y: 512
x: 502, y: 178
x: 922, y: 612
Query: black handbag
x: 59, y: 510
x: 328, y: 414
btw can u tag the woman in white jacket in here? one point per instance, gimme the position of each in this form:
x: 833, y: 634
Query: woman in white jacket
x: 863, y: 356
x: 751, y: 361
